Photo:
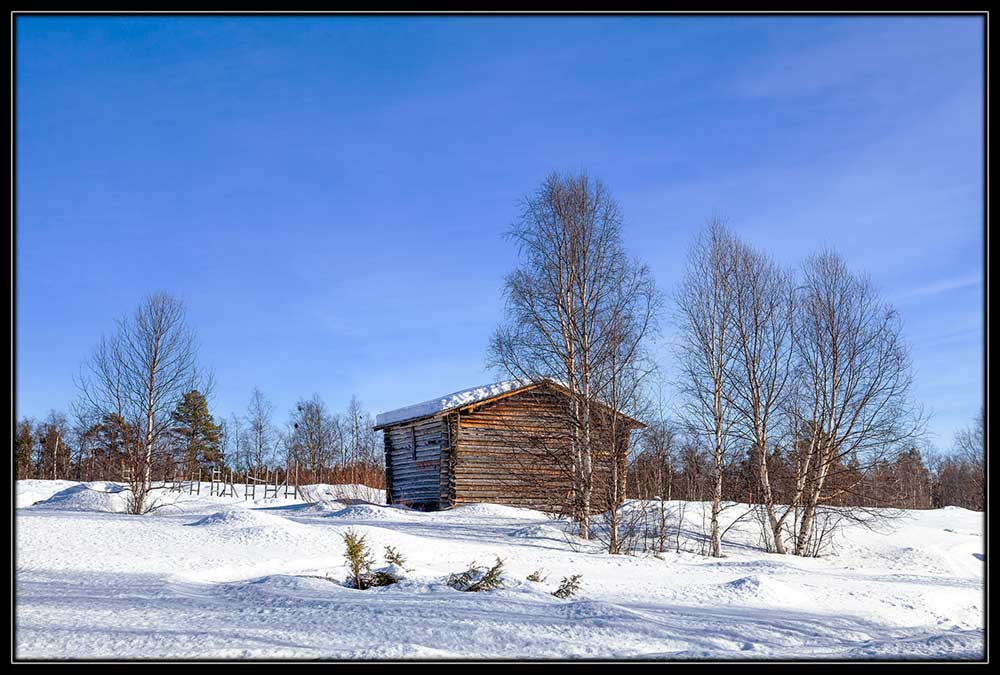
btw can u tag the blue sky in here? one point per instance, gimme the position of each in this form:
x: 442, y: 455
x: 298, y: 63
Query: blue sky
x: 329, y: 195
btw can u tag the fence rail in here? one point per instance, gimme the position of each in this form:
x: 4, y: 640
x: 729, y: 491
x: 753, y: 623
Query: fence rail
x: 227, y: 483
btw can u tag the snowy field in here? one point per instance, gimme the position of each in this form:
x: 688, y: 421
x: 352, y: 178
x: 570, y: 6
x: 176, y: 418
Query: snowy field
x: 212, y: 577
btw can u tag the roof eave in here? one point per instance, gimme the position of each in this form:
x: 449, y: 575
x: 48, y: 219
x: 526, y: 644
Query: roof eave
x: 486, y: 401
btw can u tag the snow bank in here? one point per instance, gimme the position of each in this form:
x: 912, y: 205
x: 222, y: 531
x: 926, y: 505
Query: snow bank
x: 324, y: 493
x: 240, y: 518
x: 31, y: 492
x: 369, y: 512
x: 765, y: 590
x: 590, y: 610
x: 97, y: 496
x: 538, y: 532
x: 250, y: 526
x: 499, y: 511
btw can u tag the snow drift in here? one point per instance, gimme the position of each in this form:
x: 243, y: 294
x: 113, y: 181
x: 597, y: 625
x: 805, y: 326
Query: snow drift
x: 97, y: 496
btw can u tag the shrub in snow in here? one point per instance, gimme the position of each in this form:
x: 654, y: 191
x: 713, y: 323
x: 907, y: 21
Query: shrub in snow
x: 568, y: 587
x: 359, y: 559
x: 394, y: 557
x: 359, y: 562
x: 538, y: 575
x: 477, y: 579
x: 386, y: 576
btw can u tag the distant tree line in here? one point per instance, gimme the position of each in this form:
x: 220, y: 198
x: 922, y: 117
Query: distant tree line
x: 330, y: 448
x: 142, y: 416
x: 667, y: 464
x: 327, y: 447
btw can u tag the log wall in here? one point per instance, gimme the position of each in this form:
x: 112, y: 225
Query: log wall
x: 414, y: 477
x: 514, y: 451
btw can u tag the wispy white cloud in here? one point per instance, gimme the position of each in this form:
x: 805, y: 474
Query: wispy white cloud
x: 940, y: 286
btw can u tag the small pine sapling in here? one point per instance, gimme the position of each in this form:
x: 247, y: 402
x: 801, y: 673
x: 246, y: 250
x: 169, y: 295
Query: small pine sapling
x: 359, y: 559
x: 394, y: 557
x: 538, y: 576
x: 568, y: 587
x: 491, y: 580
x: 477, y: 579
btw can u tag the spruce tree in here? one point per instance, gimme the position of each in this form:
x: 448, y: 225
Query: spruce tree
x: 196, y: 434
x: 111, y: 436
x: 24, y: 449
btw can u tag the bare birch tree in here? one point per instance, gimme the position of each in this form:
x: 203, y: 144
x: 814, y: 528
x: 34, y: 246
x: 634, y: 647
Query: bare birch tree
x: 138, y: 375
x: 53, y: 433
x: 355, y: 445
x: 236, y: 442
x: 970, y: 446
x: 559, y: 305
x: 261, y: 437
x: 704, y: 304
x: 655, y: 477
x: 311, y: 436
x: 622, y: 373
x: 761, y: 337
x: 853, y: 383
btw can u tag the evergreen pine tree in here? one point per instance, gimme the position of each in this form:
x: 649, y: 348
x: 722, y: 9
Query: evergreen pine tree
x: 197, y: 436
x: 24, y: 448
x: 111, y: 435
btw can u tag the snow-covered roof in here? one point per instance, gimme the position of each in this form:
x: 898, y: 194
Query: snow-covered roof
x: 449, y: 402
x: 460, y: 399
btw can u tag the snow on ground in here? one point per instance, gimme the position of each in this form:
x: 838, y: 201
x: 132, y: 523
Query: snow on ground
x: 223, y: 577
x: 323, y: 494
x: 29, y: 492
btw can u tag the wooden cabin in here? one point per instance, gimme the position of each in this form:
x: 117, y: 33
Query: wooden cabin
x: 506, y: 443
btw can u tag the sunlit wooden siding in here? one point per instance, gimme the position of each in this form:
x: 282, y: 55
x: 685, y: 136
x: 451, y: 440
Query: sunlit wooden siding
x: 513, y: 450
